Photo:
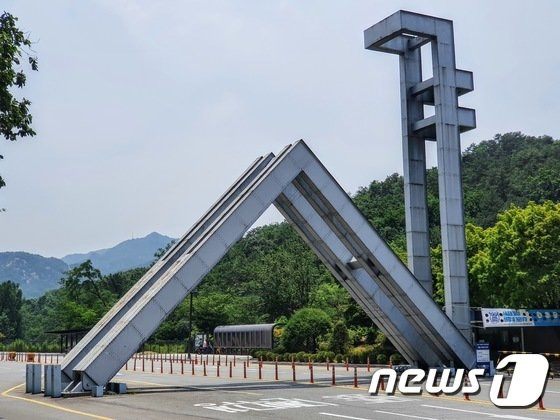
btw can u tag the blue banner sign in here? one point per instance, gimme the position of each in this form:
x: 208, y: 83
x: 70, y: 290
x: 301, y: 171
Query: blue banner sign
x: 503, y: 317
x: 545, y: 317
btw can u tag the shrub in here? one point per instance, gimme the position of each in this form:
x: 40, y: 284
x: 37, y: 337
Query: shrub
x: 360, y: 354
x: 17, y: 345
x: 300, y: 356
x: 305, y: 328
x: 381, y: 359
x: 396, y: 359
x: 339, y: 338
x: 280, y: 349
x: 322, y: 356
x: 339, y: 358
x: 257, y: 354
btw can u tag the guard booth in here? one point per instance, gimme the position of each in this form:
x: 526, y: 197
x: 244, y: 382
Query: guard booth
x: 518, y: 330
x: 69, y: 338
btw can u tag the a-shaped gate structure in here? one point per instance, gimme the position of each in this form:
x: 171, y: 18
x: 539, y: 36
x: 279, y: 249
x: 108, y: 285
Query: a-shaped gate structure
x: 308, y: 196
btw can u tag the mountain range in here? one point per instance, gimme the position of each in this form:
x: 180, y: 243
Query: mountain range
x: 37, y: 274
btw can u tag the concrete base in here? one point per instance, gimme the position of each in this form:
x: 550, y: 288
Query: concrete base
x: 33, y: 378
x: 117, y: 387
x: 52, y: 379
x: 97, y: 391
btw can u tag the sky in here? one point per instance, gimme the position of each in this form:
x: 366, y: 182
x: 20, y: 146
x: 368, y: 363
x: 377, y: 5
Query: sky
x: 146, y: 111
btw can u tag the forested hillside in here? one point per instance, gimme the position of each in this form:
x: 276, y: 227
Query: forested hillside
x: 512, y: 195
x: 510, y: 169
x: 35, y: 274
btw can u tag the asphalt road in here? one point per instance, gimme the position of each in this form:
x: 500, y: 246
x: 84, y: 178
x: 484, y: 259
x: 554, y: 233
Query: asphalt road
x: 173, y: 396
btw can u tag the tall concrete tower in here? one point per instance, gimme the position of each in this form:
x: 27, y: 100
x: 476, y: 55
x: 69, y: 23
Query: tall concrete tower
x: 404, y: 33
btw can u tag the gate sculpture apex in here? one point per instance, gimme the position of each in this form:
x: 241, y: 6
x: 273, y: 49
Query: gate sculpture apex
x: 404, y: 33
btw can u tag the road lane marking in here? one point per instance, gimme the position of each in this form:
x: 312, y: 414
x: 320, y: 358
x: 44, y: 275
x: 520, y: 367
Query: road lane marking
x: 404, y: 415
x: 224, y: 388
x: 45, y: 404
x: 498, y: 416
x: 343, y: 417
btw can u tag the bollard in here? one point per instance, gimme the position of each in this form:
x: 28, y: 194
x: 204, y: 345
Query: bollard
x: 171, y: 366
x: 213, y: 359
x: 347, y: 368
x: 218, y: 369
x: 226, y: 359
x: 293, y: 371
x: 382, y: 383
x: 51, y: 358
x: 204, y: 369
x: 206, y: 359
x: 501, y: 391
x: 355, y: 377
x: 541, y: 405
x: 368, y: 365
x: 333, y: 382
x: 465, y: 383
x: 57, y: 359
x: 230, y: 369
x: 244, y: 370
x: 134, y: 364
x: 160, y: 365
x: 260, y: 370
x: 328, y: 364
x: 152, y: 365
x: 311, y: 373
x: 182, y: 367
x: 39, y: 360
x: 126, y: 365
x: 234, y: 360
x: 143, y: 363
x: 192, y: 369
x: 276, y: 370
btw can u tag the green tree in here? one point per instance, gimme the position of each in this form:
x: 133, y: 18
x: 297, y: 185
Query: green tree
x: 15, y: 119
x: 81, y: 301
x: 339, y: 338
x: 518, y: 264
x: 10, y: 305
x: 331, y: 298
x: 304, y: 329
x: 84, y: 280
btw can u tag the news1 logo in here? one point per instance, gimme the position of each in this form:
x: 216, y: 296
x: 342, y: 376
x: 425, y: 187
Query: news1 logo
x: 528, y: 381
